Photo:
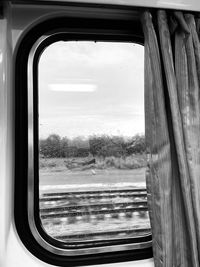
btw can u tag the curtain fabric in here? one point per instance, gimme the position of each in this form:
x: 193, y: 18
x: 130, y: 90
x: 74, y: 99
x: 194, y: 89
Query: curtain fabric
x: 172, y: 122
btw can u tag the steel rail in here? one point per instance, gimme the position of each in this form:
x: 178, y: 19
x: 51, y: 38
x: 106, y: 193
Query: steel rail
x: 96, y: 192
x: 94, y: 212
x: 93, y: 206
x: 44, y: 199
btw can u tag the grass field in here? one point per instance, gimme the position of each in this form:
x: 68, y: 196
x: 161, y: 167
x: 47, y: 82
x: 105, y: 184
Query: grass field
x: 121, y: 163
x: 108, y: 172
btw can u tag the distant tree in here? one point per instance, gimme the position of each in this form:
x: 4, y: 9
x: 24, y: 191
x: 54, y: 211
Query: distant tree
x: 71, y: 152
x: 79, y: 142
x: 136, y: 145
x: 79, y: 147
x: 51, y: 147
x: 105, y: 145
x: 64, y: 145
x: 95, y: 145
x: 83, y: 152
x: 119, y: 146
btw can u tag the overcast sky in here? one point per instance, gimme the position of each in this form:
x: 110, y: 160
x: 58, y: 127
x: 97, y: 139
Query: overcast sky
x: 90, y: 88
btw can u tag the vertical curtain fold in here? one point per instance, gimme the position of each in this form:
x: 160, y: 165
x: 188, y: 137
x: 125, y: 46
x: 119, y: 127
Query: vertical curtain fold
x: 172, y: 103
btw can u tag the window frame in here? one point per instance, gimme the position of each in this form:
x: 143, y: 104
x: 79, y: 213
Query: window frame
x: 26, y: 165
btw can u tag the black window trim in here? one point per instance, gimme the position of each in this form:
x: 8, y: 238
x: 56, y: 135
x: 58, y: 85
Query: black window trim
x: 26, y: 143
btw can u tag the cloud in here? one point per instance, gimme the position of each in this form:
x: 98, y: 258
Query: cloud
x: 72, y: 87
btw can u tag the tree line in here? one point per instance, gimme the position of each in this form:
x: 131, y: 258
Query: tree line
x: 55, y: 146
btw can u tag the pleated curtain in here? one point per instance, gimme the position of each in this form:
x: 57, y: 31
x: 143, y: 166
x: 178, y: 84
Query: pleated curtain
x: 172, y: 122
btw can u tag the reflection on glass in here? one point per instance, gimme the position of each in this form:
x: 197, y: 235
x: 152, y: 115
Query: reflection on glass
x: 92, y: 148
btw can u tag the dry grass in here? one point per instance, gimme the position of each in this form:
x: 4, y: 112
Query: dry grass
x: 62, y: 164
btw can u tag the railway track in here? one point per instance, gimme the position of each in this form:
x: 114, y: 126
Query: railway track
x: 116, y: 191
x: 91, y: 210
x: 86, y: 195
x: 94, y: 207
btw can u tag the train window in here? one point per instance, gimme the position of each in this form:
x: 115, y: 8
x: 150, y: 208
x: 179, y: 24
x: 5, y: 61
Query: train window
x: 92, y: 157
x: 80, y: 192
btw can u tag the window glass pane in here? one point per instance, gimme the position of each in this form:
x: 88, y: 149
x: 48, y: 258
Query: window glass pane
x: 92, y: 158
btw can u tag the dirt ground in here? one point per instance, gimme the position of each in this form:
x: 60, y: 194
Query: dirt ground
x: 91, y: 179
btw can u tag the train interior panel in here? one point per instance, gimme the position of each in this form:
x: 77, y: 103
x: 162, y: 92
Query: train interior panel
x: 99, y: 143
